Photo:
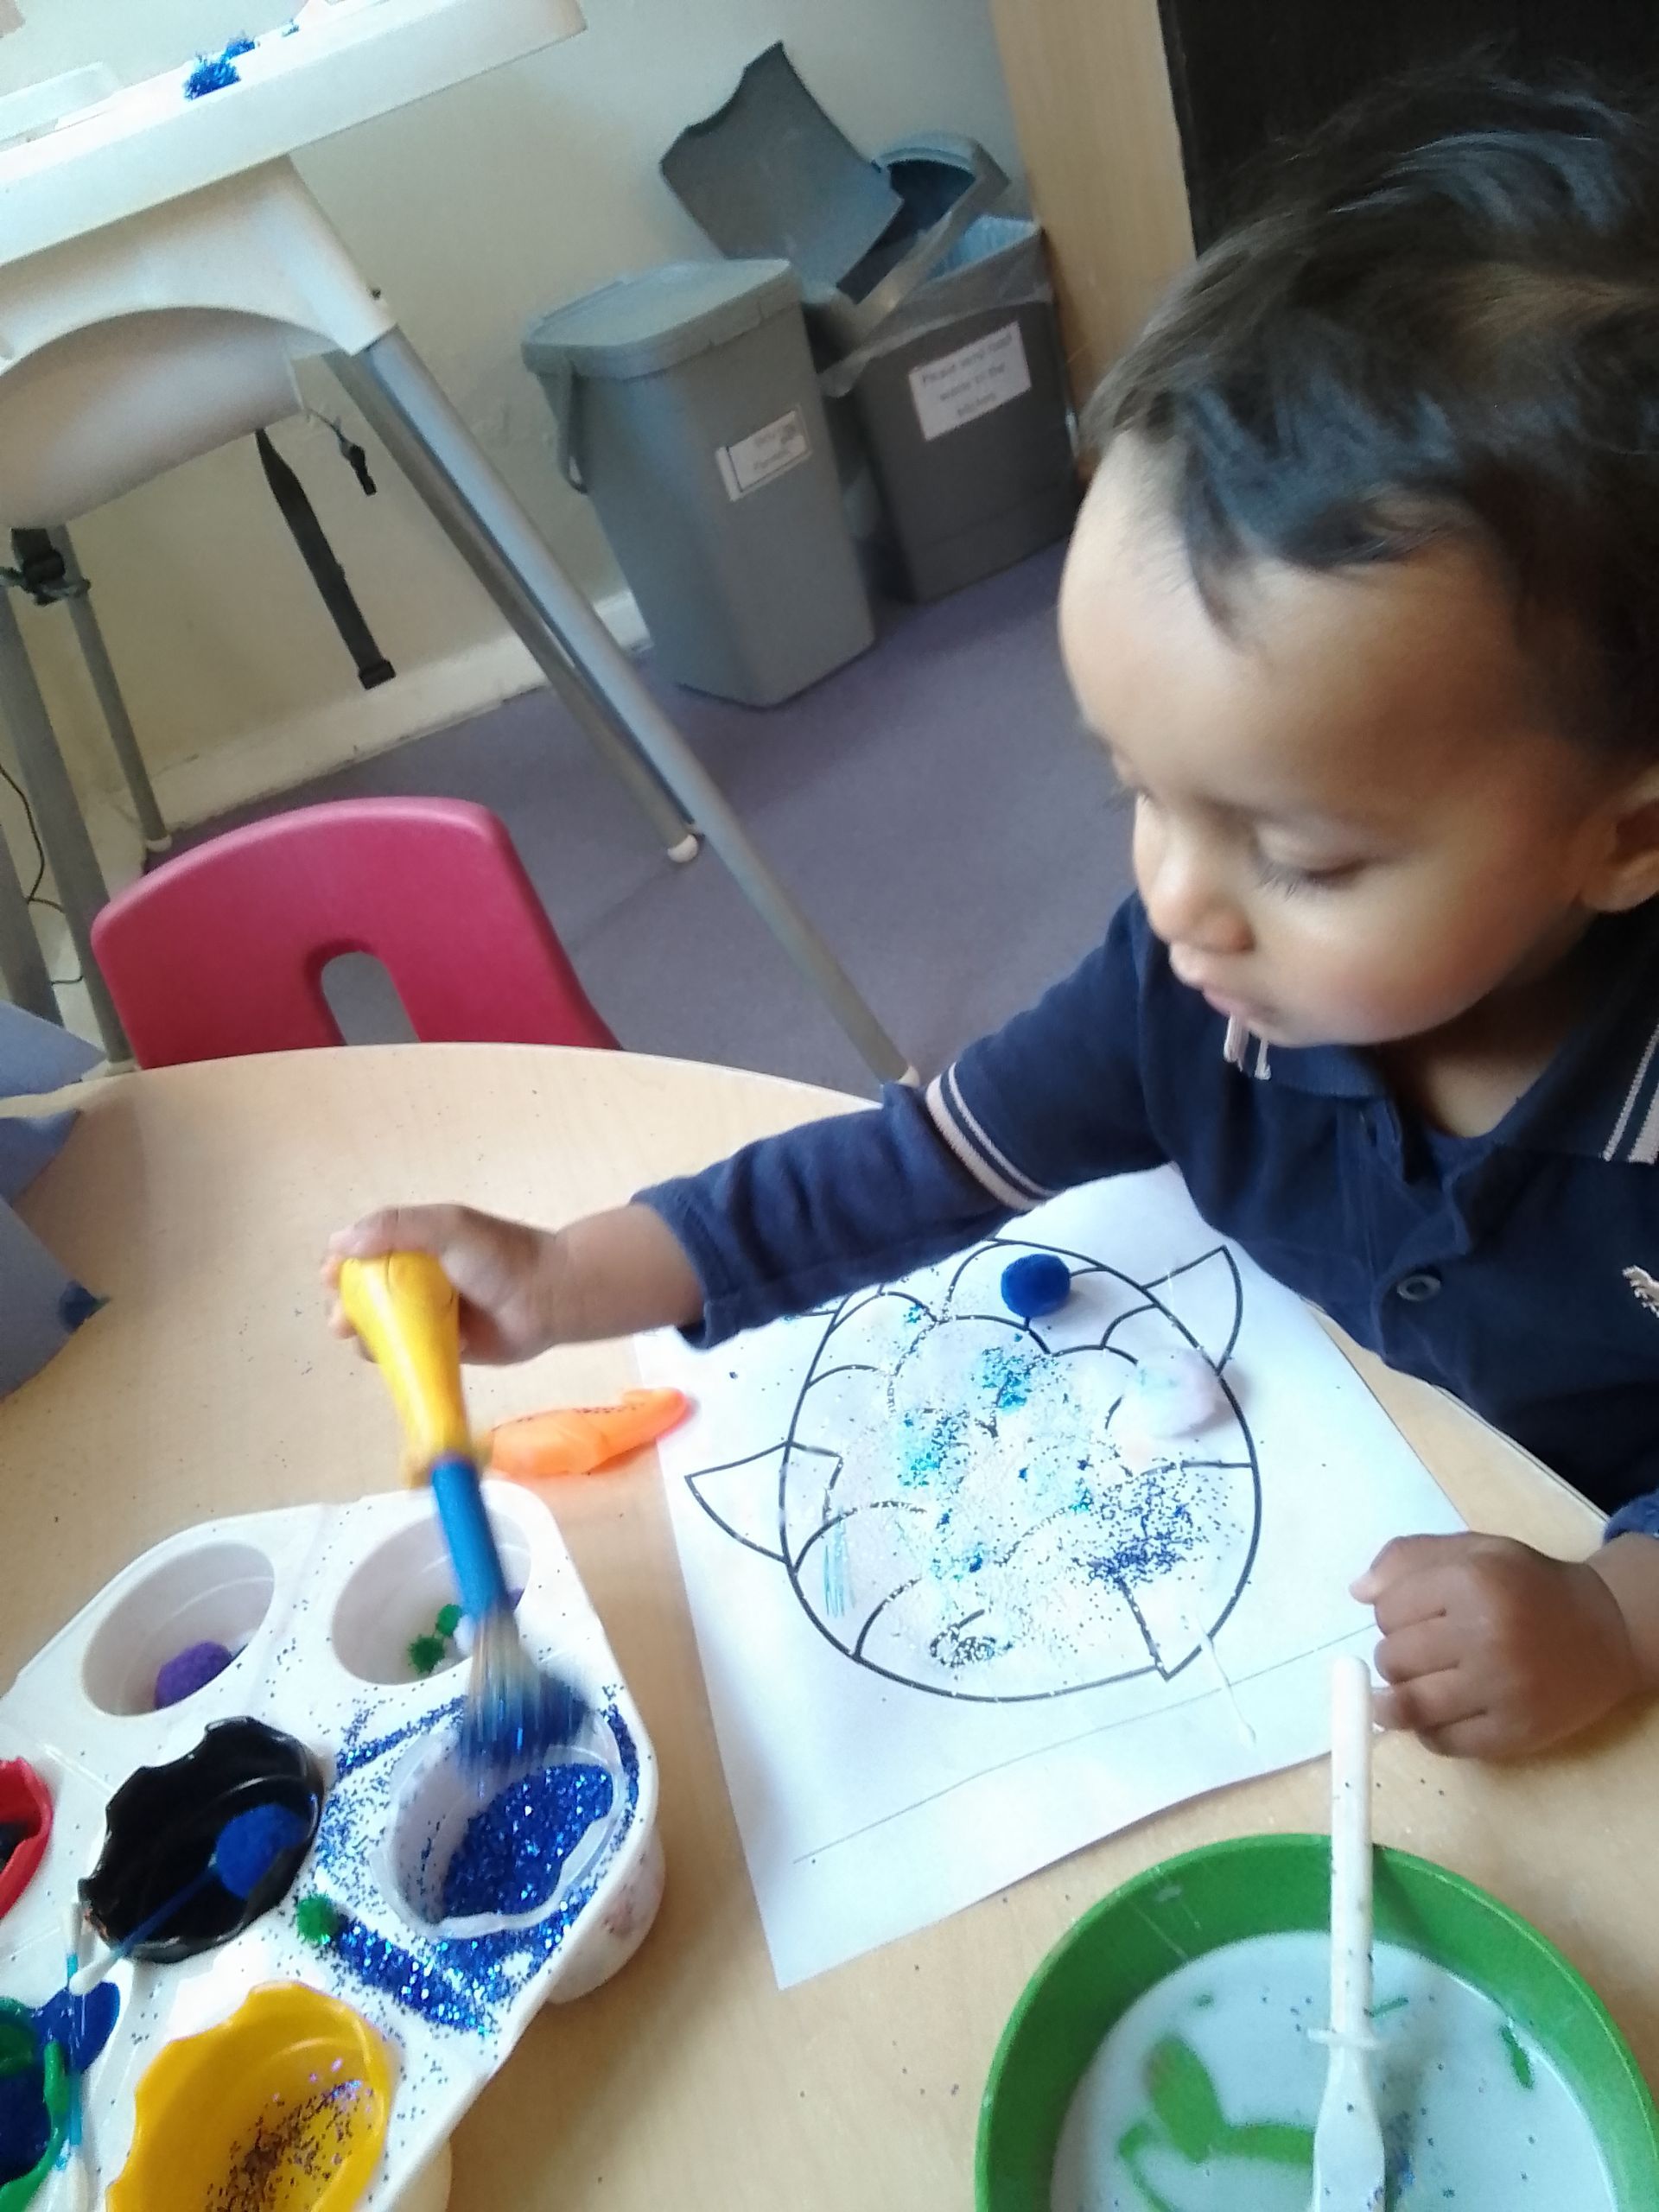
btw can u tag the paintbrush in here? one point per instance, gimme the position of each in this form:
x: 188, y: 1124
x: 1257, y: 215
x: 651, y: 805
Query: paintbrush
x: 78, y: 2189
x: 407, y: 1314
x: 245, y: 1850
x: 1349, y: 2168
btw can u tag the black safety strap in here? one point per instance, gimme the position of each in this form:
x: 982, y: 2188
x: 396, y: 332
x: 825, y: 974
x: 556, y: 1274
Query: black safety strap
x: 372, y: 666
x: 41, y: 570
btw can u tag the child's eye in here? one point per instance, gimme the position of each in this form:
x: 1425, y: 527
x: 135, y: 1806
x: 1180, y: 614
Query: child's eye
x: 1281, y: 875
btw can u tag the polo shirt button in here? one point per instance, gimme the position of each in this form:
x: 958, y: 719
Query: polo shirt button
x: 1415, y: 1288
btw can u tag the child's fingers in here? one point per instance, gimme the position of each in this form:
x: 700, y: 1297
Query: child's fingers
x: 341, y: 1327
x: 1430, y: 1647
x: 396, y: 1228
x: 1405, y: 1555
x: 1428, y: 1596
x: 1429, y: 1704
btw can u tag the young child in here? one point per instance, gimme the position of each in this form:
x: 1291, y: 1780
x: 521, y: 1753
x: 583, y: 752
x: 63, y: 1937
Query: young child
x: 1364, y: 604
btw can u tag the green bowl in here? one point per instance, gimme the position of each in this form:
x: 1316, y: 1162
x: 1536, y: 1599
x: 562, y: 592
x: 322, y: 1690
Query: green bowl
x: 1261, y: 1885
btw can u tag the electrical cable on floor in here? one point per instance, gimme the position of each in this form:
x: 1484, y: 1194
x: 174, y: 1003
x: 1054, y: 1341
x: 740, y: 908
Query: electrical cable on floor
x: 35, y: 896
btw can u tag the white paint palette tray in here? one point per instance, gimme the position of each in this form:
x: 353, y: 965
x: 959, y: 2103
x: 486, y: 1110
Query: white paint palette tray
x: 320, y: 1604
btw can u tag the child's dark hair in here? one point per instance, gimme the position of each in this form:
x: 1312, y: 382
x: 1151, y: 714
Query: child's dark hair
x: 1443, y: 323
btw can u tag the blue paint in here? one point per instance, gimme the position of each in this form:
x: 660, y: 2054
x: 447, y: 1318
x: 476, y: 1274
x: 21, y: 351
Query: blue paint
x: 212, y: 73
x: 25, y: 2123
x: 1007, y: 1377
x: 1035, y: 1284
x: 82, y: 2025
x: 945, y: 1439
x: 511, y: 1857
x: 838, y: 1569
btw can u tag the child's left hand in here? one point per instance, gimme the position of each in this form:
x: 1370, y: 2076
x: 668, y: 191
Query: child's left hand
x: 1491, y: 1649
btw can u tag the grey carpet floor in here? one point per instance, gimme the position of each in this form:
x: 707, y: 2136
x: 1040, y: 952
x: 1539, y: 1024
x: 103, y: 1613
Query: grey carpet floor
x: 935, y: 807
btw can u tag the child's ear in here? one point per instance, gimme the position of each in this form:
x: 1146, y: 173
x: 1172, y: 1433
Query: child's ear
x: 1627, y: 873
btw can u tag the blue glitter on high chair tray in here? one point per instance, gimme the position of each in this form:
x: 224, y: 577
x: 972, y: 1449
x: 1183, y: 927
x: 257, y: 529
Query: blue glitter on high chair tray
x: 212, y: 74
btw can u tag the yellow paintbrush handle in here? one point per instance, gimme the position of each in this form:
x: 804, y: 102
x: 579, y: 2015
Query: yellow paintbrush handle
x: 408, y: 1313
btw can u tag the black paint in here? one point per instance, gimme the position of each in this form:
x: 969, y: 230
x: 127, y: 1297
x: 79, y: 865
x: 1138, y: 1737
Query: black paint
x: 160, y: 1827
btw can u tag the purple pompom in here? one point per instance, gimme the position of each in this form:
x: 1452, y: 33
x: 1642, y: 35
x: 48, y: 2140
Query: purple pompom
x: 188, y: 1671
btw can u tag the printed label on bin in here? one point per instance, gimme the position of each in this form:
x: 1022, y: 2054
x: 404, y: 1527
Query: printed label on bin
x: 754, y: 461
x: 960, y: 387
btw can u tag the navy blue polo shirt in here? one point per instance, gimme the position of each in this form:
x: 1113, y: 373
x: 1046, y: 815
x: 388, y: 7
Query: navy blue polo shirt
x: 1492, y: 1265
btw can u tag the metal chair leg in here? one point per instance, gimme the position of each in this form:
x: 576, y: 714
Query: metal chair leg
x: 68, y: 848
x: 433, y: 446
x: 22, y: 965
x: 157, y: 837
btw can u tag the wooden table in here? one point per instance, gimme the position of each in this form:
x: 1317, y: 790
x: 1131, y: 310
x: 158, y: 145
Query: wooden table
x: 198, y: 1200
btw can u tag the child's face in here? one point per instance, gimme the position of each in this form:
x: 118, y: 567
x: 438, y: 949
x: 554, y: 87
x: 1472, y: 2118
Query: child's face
x: 1353, y: 824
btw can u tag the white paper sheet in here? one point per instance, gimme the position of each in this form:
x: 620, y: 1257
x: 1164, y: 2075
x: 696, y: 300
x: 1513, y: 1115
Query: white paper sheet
x: 951, y: 1629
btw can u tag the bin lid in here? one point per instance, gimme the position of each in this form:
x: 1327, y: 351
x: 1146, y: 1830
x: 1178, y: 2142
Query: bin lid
x: 770, y: 173
x: 640, y: 325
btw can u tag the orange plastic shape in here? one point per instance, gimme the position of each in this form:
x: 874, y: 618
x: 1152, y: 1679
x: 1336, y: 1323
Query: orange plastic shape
x: 580, y: 1439
x: 286, y: 2101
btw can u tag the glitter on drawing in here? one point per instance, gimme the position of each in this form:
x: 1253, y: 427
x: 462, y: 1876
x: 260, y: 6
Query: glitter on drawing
x: 965, y: 1502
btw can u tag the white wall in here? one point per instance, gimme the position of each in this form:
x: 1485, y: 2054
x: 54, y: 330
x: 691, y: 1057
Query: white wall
x: 472, y: 212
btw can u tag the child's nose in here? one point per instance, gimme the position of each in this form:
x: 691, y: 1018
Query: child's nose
x: 1188, y: 903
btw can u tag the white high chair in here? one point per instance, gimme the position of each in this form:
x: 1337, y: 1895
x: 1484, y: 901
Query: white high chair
x: 162, y: 267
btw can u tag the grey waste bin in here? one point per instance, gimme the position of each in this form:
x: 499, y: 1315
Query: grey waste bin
x: 959, y: 395
x: 690, y: 411
x: 936, y: 340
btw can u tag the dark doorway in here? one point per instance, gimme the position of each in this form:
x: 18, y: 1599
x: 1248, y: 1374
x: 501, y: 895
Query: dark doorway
x: 1248, y: 73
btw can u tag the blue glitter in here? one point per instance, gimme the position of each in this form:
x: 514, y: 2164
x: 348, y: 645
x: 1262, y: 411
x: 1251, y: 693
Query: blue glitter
x: 461, y: 1983
x: 1149, y: 1530
x: 212, y: 74
x: 512, y: 1853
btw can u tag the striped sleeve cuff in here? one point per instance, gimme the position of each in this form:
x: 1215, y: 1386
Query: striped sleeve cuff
x: 990, y: 1167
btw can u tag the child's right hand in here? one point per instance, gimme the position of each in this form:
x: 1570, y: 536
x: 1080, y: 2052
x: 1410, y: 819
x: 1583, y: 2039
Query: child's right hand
x: 506, y: 1272
x: 523, y: 1289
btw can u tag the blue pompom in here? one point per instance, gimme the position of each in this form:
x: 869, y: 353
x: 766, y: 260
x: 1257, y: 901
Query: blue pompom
x: 212, y: 74
x: 249, y: 1845
x: 1037, y: 1283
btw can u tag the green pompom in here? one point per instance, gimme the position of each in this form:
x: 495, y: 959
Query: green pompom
x: 319, y: 1919
x: 449, y: 1620
x: 425, y: 1654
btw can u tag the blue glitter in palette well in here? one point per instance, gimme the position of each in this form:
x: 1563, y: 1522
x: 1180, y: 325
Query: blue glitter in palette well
x: 459, y: 1914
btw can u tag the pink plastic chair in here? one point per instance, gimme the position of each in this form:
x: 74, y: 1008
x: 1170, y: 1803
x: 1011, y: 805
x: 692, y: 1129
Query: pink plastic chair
x: 221, y: 951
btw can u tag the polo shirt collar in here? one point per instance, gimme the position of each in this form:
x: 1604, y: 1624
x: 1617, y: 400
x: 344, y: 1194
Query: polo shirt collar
x: 1599, y: 1096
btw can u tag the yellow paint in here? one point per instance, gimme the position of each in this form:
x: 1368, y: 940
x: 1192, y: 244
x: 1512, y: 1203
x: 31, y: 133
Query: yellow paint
x: 208, y: 2111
